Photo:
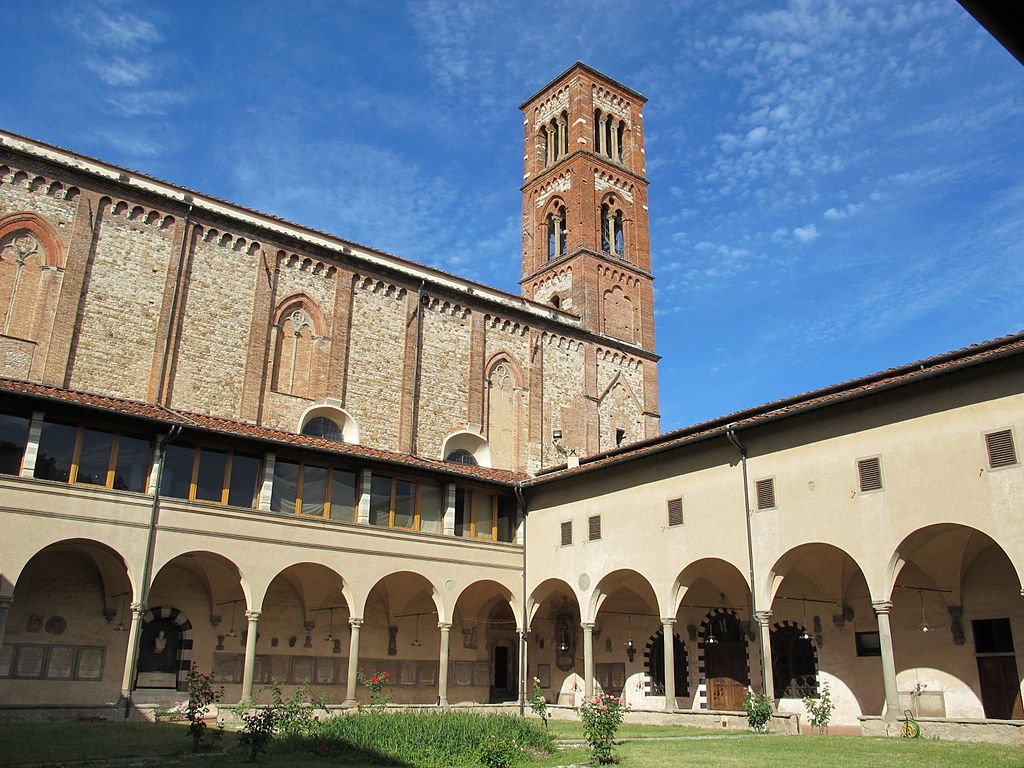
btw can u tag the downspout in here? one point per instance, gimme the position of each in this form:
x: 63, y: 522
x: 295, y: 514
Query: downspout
x: 147, y: 564
x: 731, y: 435
x: 420, y: 296
x: 174, y: 306
x: 523, y: 512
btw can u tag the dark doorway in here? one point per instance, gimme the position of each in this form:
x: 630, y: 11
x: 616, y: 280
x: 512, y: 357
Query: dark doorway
x: 656, y: 665
x: 725, y: 658
x: 997, y: 669
x: 505, y: 656
x: 159, y: 654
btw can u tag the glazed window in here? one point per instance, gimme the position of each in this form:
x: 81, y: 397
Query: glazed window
x: 402, y: 503
x: 313, y: 491
x: 13, y: 436
x: 87, y: 456
x: 481, y: 515
x: 200, y: 473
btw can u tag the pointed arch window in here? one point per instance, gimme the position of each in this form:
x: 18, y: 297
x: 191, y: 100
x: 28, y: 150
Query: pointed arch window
x: 24, y: 252
x: 295, y: 352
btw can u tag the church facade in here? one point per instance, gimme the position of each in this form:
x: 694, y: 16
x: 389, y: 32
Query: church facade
x: 233, y: 442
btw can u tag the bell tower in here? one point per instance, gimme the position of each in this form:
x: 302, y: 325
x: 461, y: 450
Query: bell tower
x: 586, y: 247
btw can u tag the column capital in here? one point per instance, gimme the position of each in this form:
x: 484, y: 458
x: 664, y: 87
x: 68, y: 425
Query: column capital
x: 355, y: 623
x: 6, y: 601
x: 138, y: 608
x: 763, y: 617
x: 252, y: 616
x: 668, y: 621
x: 588, y: 626
x: 444, y: 626
x: 881, y: 606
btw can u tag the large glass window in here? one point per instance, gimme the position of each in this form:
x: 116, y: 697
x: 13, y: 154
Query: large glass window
x: 482, y: 515
x: 79, y: 454
x: 13, y: 436
x: 402, y: 503
x: 308, y: 489
x: 200, y: 473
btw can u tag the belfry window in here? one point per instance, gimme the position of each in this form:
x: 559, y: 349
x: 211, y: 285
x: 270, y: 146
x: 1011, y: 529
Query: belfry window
x: 555, y: 136
x: 609, y: 135
x: 557, y: 234
x: 612, y: 239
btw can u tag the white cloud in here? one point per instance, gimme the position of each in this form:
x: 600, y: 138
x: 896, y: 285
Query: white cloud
x: 833, y: 214
x: 806, y: 234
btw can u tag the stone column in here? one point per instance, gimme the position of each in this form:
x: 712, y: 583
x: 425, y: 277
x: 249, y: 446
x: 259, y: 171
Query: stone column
x: 892, y: 699
x: 132, y: 658
x: 442, y: 670
x: 764, y: 619
x: 35, y: 428
x: 599, y: 132
x: 588, y: 658
x: 615, y: 141
x: 448, y: 521
x: 5, y: 603
x: 668, y: 625
x: 353, y: 662
x: 363, y: 508
x: 248, y: 672
x: 563, y: 138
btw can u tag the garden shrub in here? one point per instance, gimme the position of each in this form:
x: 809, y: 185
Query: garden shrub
x: 500, y: 752
x: 759, y: 710
x: 538, y: 703
x: 201, y: 694
x: 601, y: 717
x: 820, y: 708
x: 374, y: 683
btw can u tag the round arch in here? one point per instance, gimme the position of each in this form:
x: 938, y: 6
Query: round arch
x: 347, y: 426
x: 472, y: 443
x: 217, y: 574
x: 730, y: 580
x: 798, y: 557
x: 407, y: 583
x: 627, y: 579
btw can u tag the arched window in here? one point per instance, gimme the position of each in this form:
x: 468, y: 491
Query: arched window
x: 295, y: 351
x: 656, y: 664
x: 23, y: 254
x: 323, y: 428
x: 794, y: 663
x: 547, y: 144
x: 598, y: 133
x: 557, y: 234
x: 461, y: 456
x: 612, y: 237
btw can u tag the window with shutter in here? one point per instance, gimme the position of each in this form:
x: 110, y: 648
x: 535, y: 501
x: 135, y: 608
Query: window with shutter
x: 595, y: 527
x: 567, y: 533
x: 765, y: 490
x: 870, y: 473
x: 1001, y: 451
x: 675, y: 511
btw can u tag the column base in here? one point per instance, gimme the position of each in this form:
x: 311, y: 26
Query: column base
x: 671, y: 704
x: 350, y: 703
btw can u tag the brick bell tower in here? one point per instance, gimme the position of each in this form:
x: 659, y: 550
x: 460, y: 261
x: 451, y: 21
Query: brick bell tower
x: 586, y: 247
x: 586, y: 244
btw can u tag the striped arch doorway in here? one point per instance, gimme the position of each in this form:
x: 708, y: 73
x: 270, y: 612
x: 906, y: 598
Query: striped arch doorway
x: 165, y: 650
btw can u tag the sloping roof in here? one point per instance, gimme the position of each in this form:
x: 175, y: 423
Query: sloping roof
x: 229, y: 428
x: 797, y: 404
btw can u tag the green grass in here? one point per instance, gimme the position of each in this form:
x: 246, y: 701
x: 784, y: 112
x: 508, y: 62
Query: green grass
x: 53, y: 742
x: 573, y: 729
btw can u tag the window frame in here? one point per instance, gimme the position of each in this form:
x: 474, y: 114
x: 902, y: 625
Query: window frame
x: 115, y: 445
x: 329, y: 490
x: 225, y: 484
x: 417, y: 506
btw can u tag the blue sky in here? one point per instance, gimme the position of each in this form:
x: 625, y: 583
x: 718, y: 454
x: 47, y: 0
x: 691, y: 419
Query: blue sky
x: 836, y: 187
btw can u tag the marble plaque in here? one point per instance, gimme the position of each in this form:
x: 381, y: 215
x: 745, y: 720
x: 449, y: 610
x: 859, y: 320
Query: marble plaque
x: 6, y: 654
x: 90, y: 663
x: 427, y: 673
x: 407, y: 673
x: 481, y: 674
x: 544, y: 675
x: 29, y: 662
x: 61, y: 663
x: 224, y: 665
x: 302, y: 669
x: 156, y: 680
x: 463, y: 673
x: 325, y: 671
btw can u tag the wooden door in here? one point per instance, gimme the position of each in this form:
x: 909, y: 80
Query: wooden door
x: 1000, y: 687
x: 726, y: 675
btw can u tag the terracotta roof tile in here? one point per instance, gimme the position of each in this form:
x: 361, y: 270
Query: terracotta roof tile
x: 904, y: 374
x: 227, y: 427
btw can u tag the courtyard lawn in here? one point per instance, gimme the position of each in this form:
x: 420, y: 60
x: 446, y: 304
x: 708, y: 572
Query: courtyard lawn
x: 573, y: 729
x: 68, y: 742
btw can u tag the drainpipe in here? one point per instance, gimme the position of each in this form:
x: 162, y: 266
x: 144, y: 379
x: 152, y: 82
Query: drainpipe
x: 165, y: 359
x: 132, y: 659
x: 766, y: 675
x: 523, y: 512
x: 420, y: 300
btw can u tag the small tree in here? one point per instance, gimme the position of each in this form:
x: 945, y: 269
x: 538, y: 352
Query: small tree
x: 820, y: 708
x: 374, y: 683
x: 759, y: 710
x: 538, y: 703
x: 201, y: 694
x: 601, y: 717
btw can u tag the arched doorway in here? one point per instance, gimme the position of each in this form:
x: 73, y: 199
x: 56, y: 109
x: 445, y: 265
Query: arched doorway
x: 654, y: 655
x: 725, y: 660
x: 165, y: 649
x: 501, y: 628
